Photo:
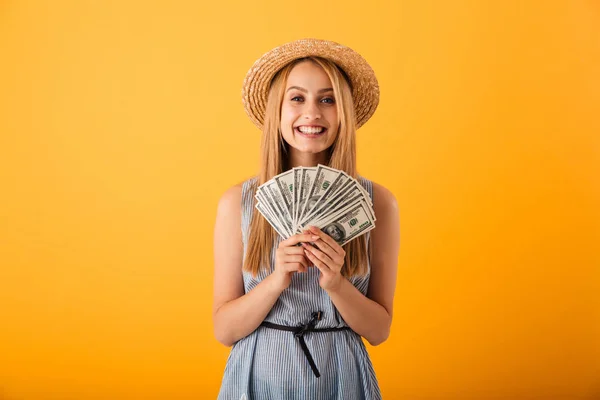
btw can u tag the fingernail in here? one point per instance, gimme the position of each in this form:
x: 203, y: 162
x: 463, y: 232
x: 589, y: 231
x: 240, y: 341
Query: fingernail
x: 315, y: 237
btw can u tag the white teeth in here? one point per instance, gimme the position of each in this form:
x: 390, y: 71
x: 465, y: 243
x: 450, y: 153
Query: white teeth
x: 312, y: 130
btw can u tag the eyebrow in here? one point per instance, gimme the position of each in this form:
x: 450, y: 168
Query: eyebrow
x: 306, y: 91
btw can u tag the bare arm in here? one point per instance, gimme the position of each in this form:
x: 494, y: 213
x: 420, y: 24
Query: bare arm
x: 370, y: 316
x: 235, y: 314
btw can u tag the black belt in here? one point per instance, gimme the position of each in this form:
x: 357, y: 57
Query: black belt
x: 299, y: 332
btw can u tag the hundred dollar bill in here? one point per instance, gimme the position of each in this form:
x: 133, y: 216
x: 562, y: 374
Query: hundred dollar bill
x: 270, y: 220
x: 267, y: 209
x: 279, y: 206
x: 362, y: 189
x: 355, y: 188
x: 317, y: 202
x: 324, y: 177
x: 306, y: 179
x: 297, y: 176
x: 274, y: 199
x: 322, y: 206
x: 347, y: 193
x: 285, y: 184
x: 261, y: 198
x: 344, y: 200
x: 349, y: 224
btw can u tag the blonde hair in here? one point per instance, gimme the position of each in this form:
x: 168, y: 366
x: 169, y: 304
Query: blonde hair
x: 342, y: 156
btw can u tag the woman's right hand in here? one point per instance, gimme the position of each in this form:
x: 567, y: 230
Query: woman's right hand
x: 290, y: 258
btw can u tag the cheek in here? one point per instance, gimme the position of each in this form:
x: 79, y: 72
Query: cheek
x: 332, y: 117
x: 286, y: 118
x: 285, y: 125
x: 334, y: 126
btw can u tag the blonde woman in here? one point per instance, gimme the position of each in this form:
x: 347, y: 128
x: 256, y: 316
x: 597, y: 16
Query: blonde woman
x: 294, y: 310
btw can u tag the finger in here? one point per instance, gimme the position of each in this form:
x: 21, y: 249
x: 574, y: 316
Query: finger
x: 295, y: 267
x: 293, y: 250
x: 327, y: 239
x: 325, y: 248
x: 324, y: 258
x: 305, y: 264
x: 317, y: 263
x: 296, y: 259
x: 302, y: 237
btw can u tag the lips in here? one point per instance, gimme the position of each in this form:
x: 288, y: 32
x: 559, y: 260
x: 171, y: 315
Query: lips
x: 310, y: 130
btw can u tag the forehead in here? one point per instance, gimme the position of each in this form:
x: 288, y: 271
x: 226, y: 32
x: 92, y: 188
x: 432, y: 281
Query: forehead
x: 309, y: 75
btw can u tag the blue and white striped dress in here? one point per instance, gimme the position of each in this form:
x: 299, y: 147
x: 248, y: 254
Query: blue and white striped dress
x: 270, y: 364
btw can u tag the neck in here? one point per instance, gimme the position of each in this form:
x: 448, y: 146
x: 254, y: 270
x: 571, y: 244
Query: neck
x: 299, y: 159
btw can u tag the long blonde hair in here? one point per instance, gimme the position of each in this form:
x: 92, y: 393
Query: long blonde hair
x: 342, y: 156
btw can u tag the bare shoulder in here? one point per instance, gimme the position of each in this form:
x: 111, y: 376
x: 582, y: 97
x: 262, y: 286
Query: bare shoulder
x: 383, y: 199
x: 231, y: 198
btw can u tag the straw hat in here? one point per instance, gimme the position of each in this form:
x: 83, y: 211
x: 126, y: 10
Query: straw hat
x: 365, y: 88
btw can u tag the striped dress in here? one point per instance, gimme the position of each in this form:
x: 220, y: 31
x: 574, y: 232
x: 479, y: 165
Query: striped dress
x: 271, y: 364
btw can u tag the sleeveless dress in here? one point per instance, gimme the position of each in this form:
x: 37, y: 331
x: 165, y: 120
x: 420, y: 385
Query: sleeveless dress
x: 270, y: 364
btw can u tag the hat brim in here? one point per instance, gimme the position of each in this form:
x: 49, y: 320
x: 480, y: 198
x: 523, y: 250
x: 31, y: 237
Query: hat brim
x: 365, y: 88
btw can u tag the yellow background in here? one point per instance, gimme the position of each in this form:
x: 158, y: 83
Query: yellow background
x: 121, y: 125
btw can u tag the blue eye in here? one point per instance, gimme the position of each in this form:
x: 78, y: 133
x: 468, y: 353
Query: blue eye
x: 326, y: 100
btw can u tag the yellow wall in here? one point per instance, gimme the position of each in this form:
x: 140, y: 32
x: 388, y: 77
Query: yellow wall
x: 121, y: 124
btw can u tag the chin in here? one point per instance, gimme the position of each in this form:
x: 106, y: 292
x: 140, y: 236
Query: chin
x: 311, y: 149
x: 313, y: 145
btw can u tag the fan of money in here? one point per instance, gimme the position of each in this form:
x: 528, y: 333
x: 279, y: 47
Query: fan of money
x: 320, y: 196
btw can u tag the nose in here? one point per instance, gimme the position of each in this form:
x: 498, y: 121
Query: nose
x: 312, y: 110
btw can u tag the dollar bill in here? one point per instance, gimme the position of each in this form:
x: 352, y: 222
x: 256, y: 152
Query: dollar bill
x: 270, y: 195
x: 279, y: 206
x: 321, y: 196
x: 297, y: 176
x: 348, y: 224
x: 324, y: 178
x: 269, y: 218
x: 338, y: 203
x: 260, y: 199
x: 354, y: 187
x: 340, y: 180
x: 267, y: 209
x: 306, y: 180
x: 285, y: 184
x: 332, y: 199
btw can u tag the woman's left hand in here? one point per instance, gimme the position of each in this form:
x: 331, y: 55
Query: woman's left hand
x: 328, y: 258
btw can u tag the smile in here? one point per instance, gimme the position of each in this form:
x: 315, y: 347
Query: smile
x: 310, y: 131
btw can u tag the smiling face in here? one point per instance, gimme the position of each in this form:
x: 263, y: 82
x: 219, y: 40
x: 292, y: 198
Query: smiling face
x: 309, y: 117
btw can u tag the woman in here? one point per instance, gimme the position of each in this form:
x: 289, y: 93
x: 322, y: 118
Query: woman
x: 293, y: 312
